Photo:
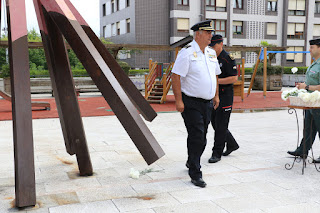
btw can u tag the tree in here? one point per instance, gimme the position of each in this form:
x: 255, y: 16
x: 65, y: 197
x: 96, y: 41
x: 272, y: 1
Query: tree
x: 271, y: 56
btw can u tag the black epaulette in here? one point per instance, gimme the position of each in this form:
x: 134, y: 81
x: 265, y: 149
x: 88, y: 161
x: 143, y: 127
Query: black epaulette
x: 187, y: 46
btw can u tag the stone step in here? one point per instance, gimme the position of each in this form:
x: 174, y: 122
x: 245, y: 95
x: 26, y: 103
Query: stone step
x: 154, y: 101
x: 155, y: 97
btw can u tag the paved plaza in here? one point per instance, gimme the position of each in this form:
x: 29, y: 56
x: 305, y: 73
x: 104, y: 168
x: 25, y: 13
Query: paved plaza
x: 252, y: 179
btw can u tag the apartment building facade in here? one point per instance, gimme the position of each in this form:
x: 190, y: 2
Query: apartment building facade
x: 287, y: 23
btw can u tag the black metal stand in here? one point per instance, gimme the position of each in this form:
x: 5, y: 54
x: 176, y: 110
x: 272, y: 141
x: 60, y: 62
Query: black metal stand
x: 305, y: 156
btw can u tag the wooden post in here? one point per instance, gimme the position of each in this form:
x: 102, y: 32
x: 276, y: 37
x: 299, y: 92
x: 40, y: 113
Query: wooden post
x: 176, y: 52
x: 145, y: 86
x: 150, y: 64
x: 242, y: 78
x: 24, y: 170
x: 254, y: 73
x: 164, y: 88
x: 265, y: 63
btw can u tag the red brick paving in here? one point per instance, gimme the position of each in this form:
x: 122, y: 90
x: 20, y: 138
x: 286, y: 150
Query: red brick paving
x: 97, y: 106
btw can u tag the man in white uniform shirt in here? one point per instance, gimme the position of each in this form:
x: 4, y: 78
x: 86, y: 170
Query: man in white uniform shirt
x: 195, y: 88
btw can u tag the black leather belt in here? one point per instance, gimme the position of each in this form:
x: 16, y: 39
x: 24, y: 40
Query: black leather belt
x: 196, y: 99
x: 222, y: 86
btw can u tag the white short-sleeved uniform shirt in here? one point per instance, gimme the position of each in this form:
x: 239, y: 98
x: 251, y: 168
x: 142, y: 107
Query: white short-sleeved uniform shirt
x: 197, y: 71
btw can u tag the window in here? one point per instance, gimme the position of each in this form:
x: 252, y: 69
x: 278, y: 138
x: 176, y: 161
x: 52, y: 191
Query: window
x: 272, y: 5
x: 237, y: 4
x: 117, y: 5
x: 118, y: 28
x: 216, y: 5
x: 128, y: 3
x: 183, y: 2
x: 112, y: 6
x: 237, y: 27
x: 113, y: 30
x: 295, y: 31
x: 183, y: 25
x: 271, y: 28
x: 297, y: 7
x: 295, y: 57
x: 316, y: 30
x: 104, y: 10
x: 104, y: 31
x: 220, y: 27
x: 317, y: 7
x: 128, y: 25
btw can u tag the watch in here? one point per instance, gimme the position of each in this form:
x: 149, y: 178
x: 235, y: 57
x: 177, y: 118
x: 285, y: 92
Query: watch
x: 307, y: 87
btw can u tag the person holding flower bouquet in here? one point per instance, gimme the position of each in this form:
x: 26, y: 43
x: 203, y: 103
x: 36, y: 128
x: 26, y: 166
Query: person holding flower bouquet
x: 312, y: 116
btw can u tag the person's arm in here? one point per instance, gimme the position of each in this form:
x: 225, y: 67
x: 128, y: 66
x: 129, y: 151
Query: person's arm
x: 216, y: 100
x: 228, y: 80
x: 231, y: 68
x: 176, y: 87
x: 311, y: 87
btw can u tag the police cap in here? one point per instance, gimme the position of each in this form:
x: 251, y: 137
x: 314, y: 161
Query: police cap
x: 315, y: 41
x: 204, y: 25
x: 216, y: 38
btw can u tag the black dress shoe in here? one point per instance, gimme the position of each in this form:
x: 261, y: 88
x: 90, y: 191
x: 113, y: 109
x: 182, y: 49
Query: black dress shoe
x: 187, y: 165
x: 316, y: 160
x: 199, y: 182
x: 214, y: 159
x: 295, y: 153
x: 228, y: 151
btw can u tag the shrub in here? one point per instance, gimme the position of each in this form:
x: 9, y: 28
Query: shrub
x: 125, y: 66
x: 271, y: 70
x: 138, y: 72
x: 301, y: 70
x: 5, y: 71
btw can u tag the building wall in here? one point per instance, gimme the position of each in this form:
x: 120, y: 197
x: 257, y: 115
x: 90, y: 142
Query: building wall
x: 155, y: 22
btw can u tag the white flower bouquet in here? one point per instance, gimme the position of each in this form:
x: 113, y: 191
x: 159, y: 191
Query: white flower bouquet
x: 302, y: 97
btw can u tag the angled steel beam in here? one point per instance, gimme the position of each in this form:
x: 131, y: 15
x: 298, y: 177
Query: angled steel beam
x: 21, y: 104
x: 139, y: 101
x: 63, y: 87
x: 104, y: 79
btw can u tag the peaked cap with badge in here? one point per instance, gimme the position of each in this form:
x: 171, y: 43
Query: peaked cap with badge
x: 203, y: 25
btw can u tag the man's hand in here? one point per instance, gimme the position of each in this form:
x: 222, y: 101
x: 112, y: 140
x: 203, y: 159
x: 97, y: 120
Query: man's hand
x: 301, y: 85
x: 180, y: 106
x: 216, y: 102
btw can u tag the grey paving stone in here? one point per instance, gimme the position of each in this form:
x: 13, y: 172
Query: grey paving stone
x: 246, y: 203
x: 199, y: 194
x: 144, y: 202
x: 242, y: 189
x: 97, y: 207
x: 296, y: 208
x: 106, y: 193
x: 203, y: 207
x: 159, y: 187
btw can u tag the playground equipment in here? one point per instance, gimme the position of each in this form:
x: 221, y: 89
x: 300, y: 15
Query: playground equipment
x: 263, y: 56
x: 59, y: 20
x: 157, y: 82
x: 238, y: 86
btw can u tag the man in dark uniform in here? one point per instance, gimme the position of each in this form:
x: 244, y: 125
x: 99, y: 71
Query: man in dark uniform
x: 312, y: 116
x: 194, y: 84
x: 220, y: 116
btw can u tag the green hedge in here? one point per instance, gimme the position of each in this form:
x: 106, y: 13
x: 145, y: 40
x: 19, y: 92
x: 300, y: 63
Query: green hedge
x: 138, y: 72
x: 301, y: 70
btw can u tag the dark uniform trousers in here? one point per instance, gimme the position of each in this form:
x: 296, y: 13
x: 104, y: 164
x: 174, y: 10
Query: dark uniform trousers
x: 311, y: 127
x: 196, y: 116
x: 220, y: 122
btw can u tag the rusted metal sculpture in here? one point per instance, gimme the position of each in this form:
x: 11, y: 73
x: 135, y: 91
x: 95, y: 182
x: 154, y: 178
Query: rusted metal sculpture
x: 59, y: 20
